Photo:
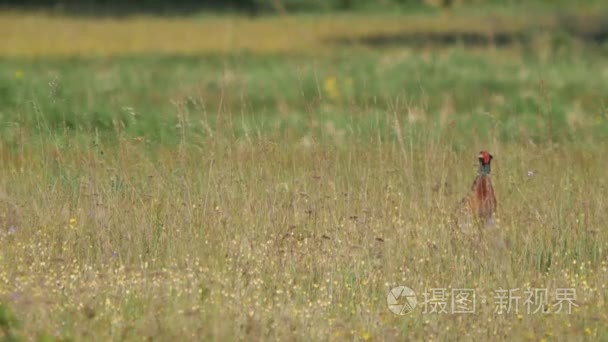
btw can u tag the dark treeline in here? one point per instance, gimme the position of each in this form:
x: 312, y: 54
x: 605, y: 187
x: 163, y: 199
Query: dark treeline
x: 119, y: 7
x: 252, y: 7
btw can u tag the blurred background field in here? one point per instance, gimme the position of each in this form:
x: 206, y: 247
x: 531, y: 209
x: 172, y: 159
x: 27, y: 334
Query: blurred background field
x: 88, y: 72
x: 159, y: 163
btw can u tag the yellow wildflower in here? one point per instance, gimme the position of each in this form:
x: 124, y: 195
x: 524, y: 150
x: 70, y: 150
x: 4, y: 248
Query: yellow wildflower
x: 331, y: 87
x: 365, y: 335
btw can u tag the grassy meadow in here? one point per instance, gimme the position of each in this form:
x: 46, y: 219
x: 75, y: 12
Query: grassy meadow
x: 273, y: 178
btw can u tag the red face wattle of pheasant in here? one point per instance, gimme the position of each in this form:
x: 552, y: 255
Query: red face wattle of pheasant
x: 484, y: 162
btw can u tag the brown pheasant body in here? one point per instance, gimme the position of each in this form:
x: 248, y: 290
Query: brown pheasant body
x: 480, y: 203
x: 482, y: 200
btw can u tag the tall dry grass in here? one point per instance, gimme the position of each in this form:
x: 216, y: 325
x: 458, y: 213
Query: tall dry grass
x: 263, y: 238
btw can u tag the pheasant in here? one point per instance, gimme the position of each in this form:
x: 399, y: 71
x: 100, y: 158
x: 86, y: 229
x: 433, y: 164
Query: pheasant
x: 480, y: 203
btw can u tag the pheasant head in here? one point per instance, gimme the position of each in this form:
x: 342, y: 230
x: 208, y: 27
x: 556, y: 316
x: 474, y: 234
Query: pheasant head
x: 485, y: 159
